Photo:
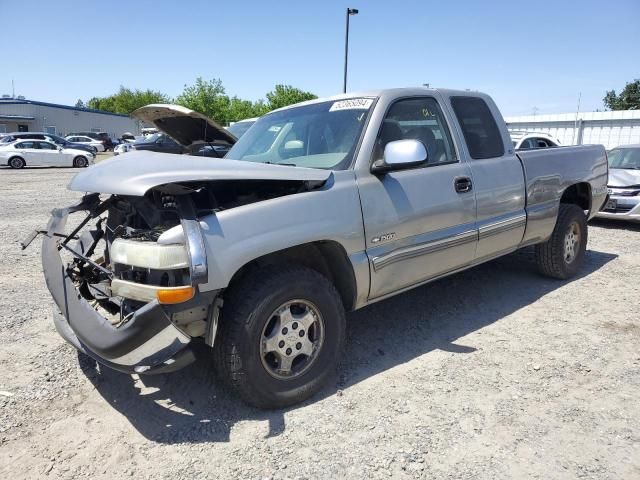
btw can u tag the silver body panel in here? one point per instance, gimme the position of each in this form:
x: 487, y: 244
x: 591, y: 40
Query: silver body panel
x: 549, y: 172
x: 138, y: 171
x: 398, y: 229
x: 624, y: 187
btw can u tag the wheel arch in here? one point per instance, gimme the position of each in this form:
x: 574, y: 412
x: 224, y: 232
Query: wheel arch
x: 578, y: 194
x: 327, y: 257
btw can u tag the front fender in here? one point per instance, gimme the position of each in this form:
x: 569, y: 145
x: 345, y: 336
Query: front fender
x: 239, y: 235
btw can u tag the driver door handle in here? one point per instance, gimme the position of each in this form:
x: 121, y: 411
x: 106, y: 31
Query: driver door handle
x: 463, y: 184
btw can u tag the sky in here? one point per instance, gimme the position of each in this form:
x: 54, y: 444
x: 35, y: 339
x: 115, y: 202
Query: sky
x: 537, y: 56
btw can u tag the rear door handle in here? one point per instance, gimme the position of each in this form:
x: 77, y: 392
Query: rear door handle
x: 463, y: 184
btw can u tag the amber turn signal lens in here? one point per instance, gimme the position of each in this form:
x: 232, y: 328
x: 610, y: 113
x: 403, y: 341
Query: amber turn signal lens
x: 175, y: 295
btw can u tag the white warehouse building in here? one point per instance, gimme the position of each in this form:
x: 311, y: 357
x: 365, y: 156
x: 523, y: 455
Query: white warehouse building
x: 22, y: 115
x: 618, y: 127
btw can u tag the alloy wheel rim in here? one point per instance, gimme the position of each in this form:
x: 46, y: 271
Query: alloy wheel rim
x: 571, y: 242
x: 291, y: 339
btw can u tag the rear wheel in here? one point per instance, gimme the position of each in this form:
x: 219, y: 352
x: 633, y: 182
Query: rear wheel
x: 280, y: 337
x: 563, y: 254
x: 17, y: 162
x: 80, y: 162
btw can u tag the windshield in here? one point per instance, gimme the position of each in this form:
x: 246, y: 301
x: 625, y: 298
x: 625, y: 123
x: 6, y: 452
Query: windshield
x: 321, y: 135
x: 625, y: 158
x: 240, y: 128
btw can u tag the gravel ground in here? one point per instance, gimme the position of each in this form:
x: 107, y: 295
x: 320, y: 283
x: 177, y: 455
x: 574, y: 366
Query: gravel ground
x: 492, y: 373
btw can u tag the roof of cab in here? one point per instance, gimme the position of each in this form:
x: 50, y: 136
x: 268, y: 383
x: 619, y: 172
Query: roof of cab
x: 391, y: 92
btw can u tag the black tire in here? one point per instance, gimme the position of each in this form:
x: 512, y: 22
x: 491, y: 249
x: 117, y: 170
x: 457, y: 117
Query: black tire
x: 17, y: 162
x: 552, y: 256
x: 248, y: 309
x: 80, y: 162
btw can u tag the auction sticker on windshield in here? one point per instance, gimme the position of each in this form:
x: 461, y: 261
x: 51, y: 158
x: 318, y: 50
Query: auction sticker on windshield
x: 352, y: 104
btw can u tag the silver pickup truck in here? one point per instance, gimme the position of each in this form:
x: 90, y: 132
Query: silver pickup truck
x: 320, y: 208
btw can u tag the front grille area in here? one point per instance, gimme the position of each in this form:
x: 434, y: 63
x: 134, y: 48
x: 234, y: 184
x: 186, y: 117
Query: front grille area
x: 619, y: 209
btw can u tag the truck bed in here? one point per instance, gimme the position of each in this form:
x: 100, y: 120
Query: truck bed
x: 570, y: 165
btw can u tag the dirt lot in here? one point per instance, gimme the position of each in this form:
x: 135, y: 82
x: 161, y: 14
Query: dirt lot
x: 493, y: 373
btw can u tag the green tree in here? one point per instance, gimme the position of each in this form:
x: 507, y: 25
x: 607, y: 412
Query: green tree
x: 240, y: 109
x: 126, y: 100
x: 284, y: 95
x: 207, y: 97
x: 79, y: 103
x: 628, y: 99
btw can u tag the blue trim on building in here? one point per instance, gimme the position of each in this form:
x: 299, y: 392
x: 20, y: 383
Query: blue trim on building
x: 13, y: 101
x: 16, y: 117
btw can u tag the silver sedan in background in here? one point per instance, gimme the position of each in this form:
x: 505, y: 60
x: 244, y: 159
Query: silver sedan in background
x: 624, y: 184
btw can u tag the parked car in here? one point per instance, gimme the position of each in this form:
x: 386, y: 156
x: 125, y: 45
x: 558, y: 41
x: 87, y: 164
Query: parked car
x: 240, y: 128
x: 21, y: 153
x: 624, y: 184
x: 122, y: 148
x: 101, y: 136
x: 158, y: 142
x: 97, y: 144
x: 128, y: 137
x: 50, y: 137
x: 531, y: 140
x: 318, y: 209
x: 183, y: 131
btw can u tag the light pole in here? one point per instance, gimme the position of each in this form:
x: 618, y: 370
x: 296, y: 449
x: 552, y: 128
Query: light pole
x: 350, y: 11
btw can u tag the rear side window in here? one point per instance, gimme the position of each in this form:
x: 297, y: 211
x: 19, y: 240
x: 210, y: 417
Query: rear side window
x: 478, y: 127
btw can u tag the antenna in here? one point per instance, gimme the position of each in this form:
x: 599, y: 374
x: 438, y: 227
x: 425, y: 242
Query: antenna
x: 13, y: 89
x: 575, y: 124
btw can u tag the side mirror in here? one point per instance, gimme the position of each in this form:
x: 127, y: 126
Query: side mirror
x: 294, y: 145
x: 401, y: 154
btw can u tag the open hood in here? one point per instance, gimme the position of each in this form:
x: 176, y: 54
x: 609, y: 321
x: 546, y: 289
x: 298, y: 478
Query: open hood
x: 185, y: 126
x: 138, y: 171
x: 622, y: 177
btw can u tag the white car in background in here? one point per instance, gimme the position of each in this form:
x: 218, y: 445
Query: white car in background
x: 86, y: 141
x: 123, y: 147
x: 623, y: 185
x: 42, y: 153
x: 239, y: 128
x: 531, y: 140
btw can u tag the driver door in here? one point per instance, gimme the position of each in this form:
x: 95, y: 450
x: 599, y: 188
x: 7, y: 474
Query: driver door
x: 49, y: 154
x: 419, y: 223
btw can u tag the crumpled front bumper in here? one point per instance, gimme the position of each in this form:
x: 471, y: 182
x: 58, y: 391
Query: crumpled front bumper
x: 147, y: 343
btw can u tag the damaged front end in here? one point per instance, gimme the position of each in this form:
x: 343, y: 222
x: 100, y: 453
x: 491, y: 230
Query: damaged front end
x: 126, y: 296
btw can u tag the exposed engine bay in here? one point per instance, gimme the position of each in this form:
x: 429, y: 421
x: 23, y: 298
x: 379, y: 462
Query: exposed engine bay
x: 118, y: 263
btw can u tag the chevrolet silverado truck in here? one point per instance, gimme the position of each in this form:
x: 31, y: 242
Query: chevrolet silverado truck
x: 318, y: 209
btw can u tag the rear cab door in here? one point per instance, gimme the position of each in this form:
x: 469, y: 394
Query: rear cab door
x: 498, y: 175
x: 28, y: 149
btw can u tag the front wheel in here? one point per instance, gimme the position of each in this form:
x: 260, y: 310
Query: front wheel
x: 80, y: 162
x: 563, y: 254
x: 281, y: 333
x: 16, y: 162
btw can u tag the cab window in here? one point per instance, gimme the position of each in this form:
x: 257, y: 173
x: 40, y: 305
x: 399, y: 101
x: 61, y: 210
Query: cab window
x: 418, y: 119
x: 481, y: 133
